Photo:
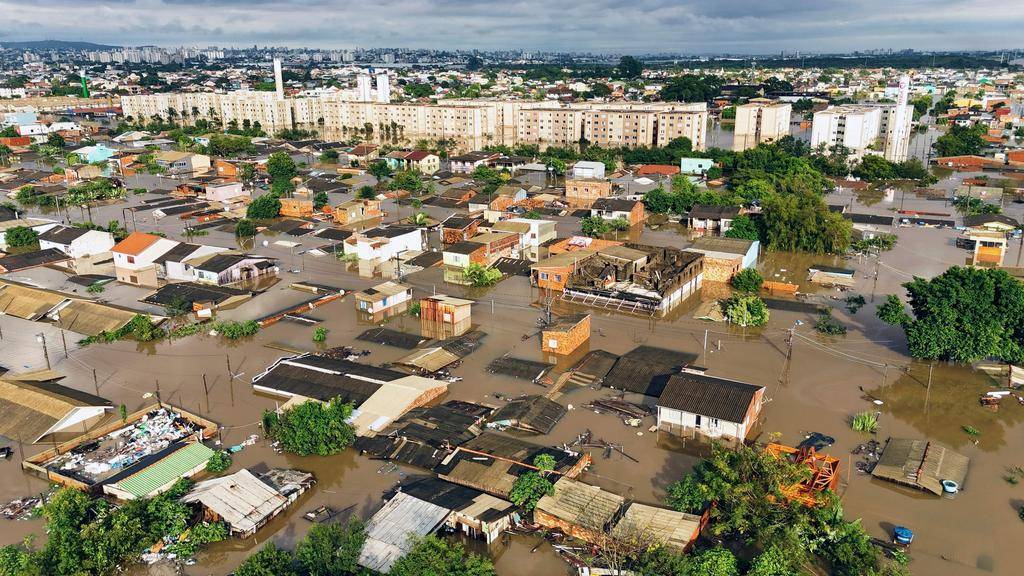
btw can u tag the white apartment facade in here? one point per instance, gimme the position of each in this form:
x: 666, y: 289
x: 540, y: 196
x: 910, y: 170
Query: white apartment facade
x: 856, y: 127
x: 479, y: 121
x: 758, y: 122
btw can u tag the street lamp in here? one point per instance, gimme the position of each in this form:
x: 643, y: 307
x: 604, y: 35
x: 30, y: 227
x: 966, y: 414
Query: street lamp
x: 41, y: 338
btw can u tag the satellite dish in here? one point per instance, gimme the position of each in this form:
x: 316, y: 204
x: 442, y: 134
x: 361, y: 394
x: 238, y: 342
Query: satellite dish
x: 266, y: 243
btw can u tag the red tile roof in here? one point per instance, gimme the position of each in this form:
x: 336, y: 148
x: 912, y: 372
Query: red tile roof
x: 135, y: 243
x: 652, y: 169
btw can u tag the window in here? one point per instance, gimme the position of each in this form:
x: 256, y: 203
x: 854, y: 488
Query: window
x: 131, y: 259
x: 543, y: 275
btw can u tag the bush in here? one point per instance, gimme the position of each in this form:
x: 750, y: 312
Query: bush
x: 433, y: 556
x: 748, y: 280
x: 746, y: 311
x: 319, y: 334
x: 219, y: 462
x: 233, y: 330
x: 827, y: 324
x: 532, y: 485
x: 312, y: 427
x: 865, y: 422
x: 19, y: 236
x: 95, y: 288
x: 479, y: 276
x: 245, y: 228
x: 366, y: 193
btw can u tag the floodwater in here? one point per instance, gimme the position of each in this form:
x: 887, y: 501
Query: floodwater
x: 820, y: 389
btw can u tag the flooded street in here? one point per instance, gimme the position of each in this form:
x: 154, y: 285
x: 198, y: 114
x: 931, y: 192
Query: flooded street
x: 826, y: 382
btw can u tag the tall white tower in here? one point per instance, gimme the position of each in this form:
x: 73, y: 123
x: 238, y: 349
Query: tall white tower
x: 899, y: 143
x: 383, y: 88
x: 278, y: 81
x: 363, y: 86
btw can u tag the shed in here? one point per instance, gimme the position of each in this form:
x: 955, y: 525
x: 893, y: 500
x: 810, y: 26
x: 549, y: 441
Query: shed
x: 579, y: 510
x: 566, y: 335
x: 392, y: 531
x: 676, y: 530
x: 443, y: 316
x: 474, y: 513
x: 186, y: 461
x: 646, y: 369
x: 535, y: 414
x: 245, y: 501
x: 920, y: 464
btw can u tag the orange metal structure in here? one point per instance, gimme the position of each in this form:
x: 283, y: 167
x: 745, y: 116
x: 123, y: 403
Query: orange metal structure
x: 824, y: 472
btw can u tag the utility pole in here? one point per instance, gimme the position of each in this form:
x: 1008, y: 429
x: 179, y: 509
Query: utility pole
x: 928, y: 392
x: 206, y: 390
x: 64, y: 341
x: 95, y: 382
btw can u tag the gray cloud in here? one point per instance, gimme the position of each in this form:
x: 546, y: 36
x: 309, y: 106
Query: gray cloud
x: 688, y: 26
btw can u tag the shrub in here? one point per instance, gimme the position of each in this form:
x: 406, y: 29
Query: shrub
x: 233, y: 330
x: 747, y: 280
x: 865, y: 422
x: 95, y: 288
x: 746, y: 311
x: 827, y: 324
x: 320, y: 334
x: 478, y: 275
x: 19, y: 236
x: 219, y: 462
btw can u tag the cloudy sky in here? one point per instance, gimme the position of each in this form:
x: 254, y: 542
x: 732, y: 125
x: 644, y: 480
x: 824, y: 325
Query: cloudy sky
x: 629, y: 26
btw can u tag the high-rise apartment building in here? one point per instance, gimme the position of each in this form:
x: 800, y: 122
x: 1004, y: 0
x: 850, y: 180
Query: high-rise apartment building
x: 760, y: 121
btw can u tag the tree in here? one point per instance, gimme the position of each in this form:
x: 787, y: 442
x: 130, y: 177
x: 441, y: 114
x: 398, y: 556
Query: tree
x: 320, y: 200
x: 379, y: 169
x: 657, y: 201
x: 874, y: 168
x: 962, y: 315
x: 312, y: 427
x: 594, y: 226
x: 433, y: 556
x: 743, y: 227
x: 245, y: 228
x: 630, y: 67
x: 366, y: 193
x: 268, y: 561
x: 264, y: 207
x: 5, y: 155
x: 691, y: 88
x: 19, y: 236
x: 713, y: 562
x: 55, y: 140
x: 479, y: 276
x: 771, y: 562
x: 892, y: 312
x: 280, y: 166
x: 801, y: 221
x: 746, y: 311
x: 532, y: 485
x: 747, y: 280
x: 331, y: 549
x: 961, y: 141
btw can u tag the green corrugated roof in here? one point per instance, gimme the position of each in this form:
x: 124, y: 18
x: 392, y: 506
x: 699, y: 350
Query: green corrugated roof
x: 166, y: 471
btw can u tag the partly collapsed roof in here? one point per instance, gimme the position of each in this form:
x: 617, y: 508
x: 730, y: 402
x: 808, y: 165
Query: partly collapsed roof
x: 920, y: 464
x: 583, y: 505
x: 535, y: 414
x: 392, y: 531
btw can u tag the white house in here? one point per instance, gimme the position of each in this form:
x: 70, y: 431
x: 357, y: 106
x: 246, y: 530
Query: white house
x: 695, y: 403
x: 76, y: 242
x: 134, y: 258
x: 382, y: 297
x: 588, y: 169
x: 221, y: 269
x: 537, y: 233
x: 175, y: 264
x: 378, y: 245
x: 226, y: 192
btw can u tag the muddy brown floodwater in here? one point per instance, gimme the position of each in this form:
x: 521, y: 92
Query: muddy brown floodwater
x: 824, y: 384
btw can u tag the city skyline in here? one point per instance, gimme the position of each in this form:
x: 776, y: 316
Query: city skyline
x: 648, y: 26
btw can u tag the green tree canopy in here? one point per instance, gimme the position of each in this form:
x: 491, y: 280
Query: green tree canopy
x: 748, y: 280
x: 433, y: 556
x: 801, y: 221
x: 331, y: 549
x: 20, y: 236
x: 746, y: 311
x: 264, y: 207
x: 280, y: 166
x: 312, y: 427
x: 961, y: 141
x: 962, y: 315
x: 743, y: 227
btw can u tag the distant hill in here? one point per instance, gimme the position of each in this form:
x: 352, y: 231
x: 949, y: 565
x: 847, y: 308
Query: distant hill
x: 55, y: 45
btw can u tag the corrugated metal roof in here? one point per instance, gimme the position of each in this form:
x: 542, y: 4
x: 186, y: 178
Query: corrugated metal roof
x: 166, y: 471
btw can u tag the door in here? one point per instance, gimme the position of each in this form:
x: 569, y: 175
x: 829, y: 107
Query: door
x: 696, y: 420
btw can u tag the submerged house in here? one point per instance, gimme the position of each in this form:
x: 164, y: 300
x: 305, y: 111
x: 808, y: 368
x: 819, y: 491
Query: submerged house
x: 380, y: 395
x: 710, y: 406
x: 244, y: 501
x: 492, y: 462
x: 921, y: 464
x: 636, y: 278
x: 534, y: 414
x: 382, y: 301
x: 425, y: 436
x: 35, y: 407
